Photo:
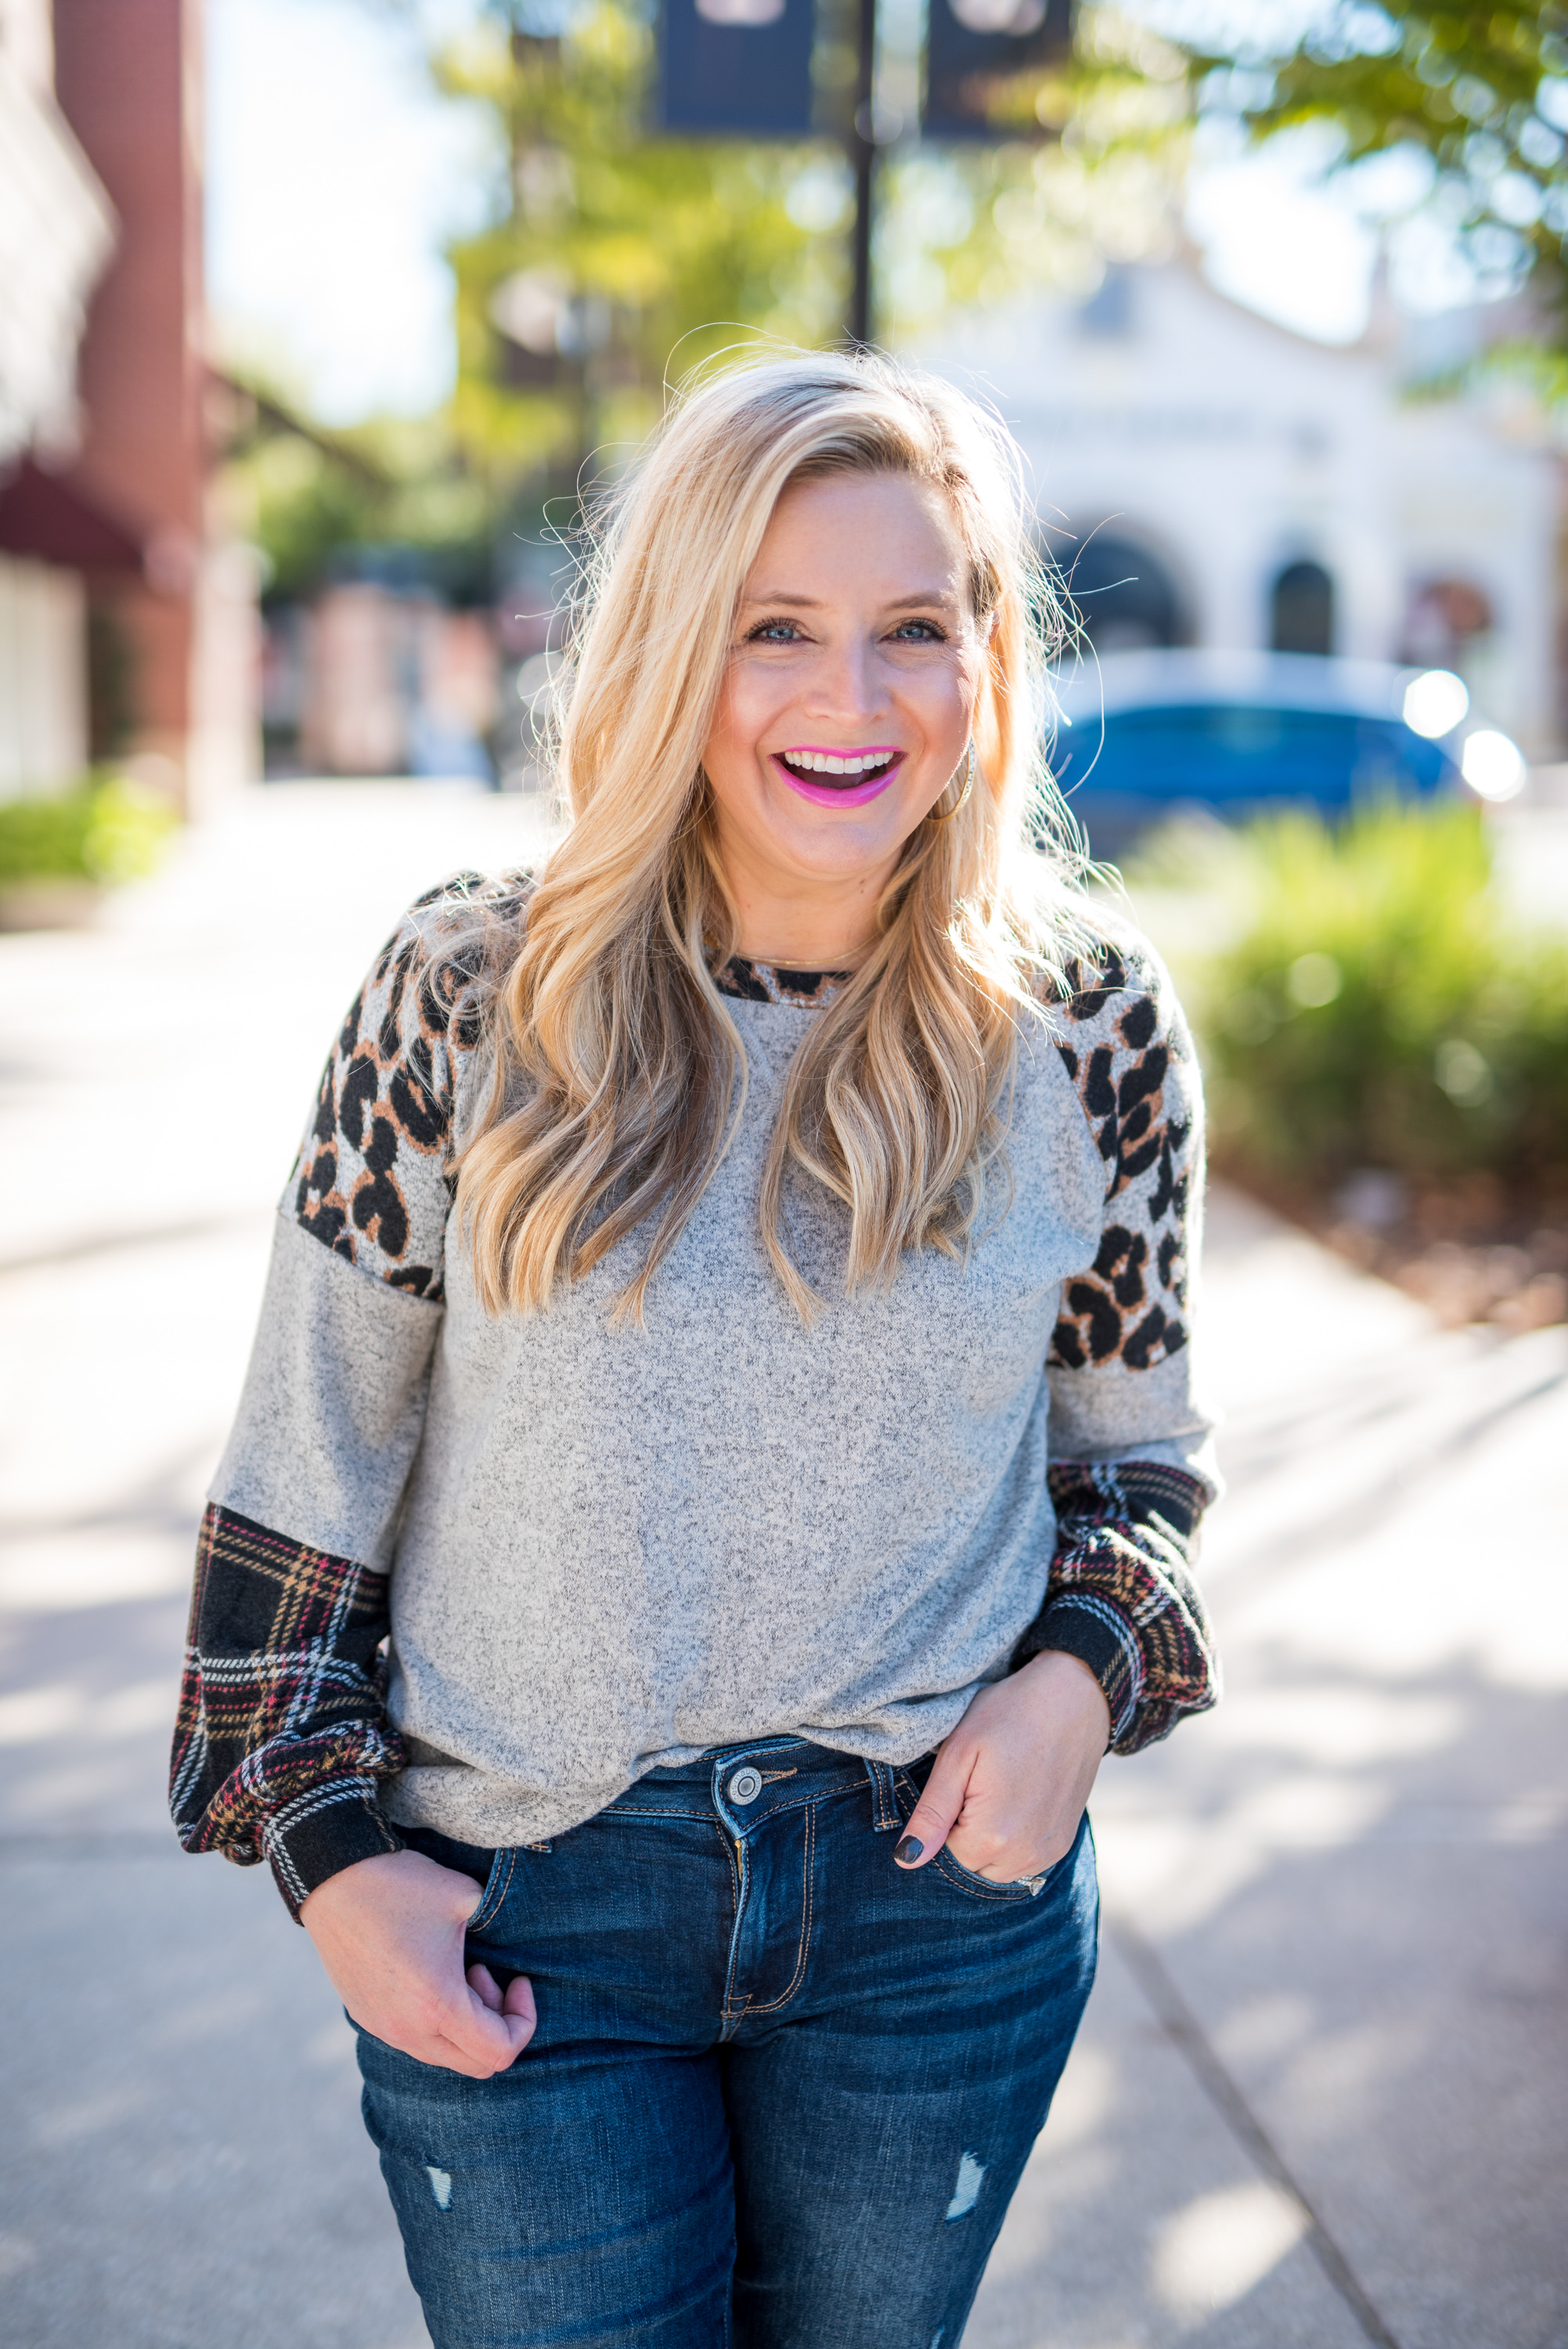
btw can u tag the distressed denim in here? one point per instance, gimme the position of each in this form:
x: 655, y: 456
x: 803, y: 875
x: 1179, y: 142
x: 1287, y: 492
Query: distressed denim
x: 781, y: 2090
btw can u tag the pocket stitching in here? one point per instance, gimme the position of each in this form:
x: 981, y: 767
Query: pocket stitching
x: 984, y: 1888
x: 494, y: 1893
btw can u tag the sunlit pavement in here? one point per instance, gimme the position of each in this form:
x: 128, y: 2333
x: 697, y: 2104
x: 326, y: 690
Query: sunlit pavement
x: 1319, y: 2098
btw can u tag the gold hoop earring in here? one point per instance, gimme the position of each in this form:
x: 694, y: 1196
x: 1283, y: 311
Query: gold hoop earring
x: 932, y: 816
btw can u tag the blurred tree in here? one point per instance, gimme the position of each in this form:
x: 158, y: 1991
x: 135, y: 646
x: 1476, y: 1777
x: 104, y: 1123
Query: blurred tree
x: 306, y: 494
x: 619, y: 255
x: 1087, y: 172
x: 1481, y: 92
x: 616, y: 255
x: 616, y: 252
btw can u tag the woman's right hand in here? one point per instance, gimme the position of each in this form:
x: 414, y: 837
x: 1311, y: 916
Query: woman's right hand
x: 390, y: 1931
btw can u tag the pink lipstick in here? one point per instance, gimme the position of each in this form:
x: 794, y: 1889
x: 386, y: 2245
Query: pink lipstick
x: 870, y: 770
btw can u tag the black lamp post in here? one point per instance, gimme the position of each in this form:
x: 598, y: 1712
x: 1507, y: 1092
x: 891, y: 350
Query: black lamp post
x: 862, y: 151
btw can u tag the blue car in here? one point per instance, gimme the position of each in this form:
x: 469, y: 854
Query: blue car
x: 1142, y: 736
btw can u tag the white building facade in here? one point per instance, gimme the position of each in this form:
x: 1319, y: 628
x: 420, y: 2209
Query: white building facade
x: 1205, y: 477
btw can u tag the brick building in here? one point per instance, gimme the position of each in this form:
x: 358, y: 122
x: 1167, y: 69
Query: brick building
x: 106, y: 520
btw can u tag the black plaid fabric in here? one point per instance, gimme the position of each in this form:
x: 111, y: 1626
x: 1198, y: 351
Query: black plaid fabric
x: 1122, y: 1596
x: 282, y: 1734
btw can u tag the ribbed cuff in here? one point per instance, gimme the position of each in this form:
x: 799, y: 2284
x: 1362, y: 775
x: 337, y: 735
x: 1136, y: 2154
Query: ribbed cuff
x: 323, y: 1831
x: 1089, y: 1628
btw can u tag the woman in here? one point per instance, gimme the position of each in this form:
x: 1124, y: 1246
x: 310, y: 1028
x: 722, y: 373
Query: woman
x: 727, y: 1327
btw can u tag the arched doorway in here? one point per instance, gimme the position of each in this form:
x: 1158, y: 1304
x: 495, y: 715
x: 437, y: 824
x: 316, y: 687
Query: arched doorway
x: 1302, y: 610
x: 1123, y: 594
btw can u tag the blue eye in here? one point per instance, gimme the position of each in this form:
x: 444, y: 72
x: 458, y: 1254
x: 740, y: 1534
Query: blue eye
x: 774, y: 632
x: 929, y: 632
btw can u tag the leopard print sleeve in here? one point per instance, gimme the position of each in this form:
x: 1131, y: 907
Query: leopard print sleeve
x: 373, y: 1179
x: 1129, y: 1436
x: 1127, y: 1049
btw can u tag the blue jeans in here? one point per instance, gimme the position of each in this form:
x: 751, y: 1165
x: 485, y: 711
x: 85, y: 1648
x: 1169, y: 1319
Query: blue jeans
x: 781, y: 2092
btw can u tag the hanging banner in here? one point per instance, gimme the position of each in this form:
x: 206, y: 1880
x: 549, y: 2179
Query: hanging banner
x: 981, y: 57
x: 735, y: 68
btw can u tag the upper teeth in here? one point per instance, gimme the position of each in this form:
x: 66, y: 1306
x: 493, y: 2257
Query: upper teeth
x: 828, y: 762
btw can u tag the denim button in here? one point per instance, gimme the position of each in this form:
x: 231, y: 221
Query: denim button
x: 745, y: 1787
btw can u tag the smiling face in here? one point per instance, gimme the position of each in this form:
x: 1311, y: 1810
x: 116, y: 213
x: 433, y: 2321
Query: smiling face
x: 845, y: 707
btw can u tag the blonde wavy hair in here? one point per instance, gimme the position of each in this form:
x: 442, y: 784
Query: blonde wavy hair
x: 620, y: 1073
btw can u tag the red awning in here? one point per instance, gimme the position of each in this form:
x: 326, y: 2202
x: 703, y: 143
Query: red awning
x: 46, y: 516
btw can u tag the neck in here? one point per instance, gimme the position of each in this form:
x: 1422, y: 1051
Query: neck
x: 829, y: 928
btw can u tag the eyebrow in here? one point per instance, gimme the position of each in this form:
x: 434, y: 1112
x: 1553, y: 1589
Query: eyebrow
x: 895, y: 604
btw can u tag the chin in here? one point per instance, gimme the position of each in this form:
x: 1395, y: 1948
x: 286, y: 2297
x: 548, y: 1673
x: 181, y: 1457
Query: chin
x: 837, y: 839
x: 838, y: 851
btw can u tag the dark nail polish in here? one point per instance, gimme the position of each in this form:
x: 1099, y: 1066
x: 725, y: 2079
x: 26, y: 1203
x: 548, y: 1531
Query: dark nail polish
x: 909, y: 1850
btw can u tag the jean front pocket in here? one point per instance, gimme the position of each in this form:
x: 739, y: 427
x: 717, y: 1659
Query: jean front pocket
x: 911, y: 1785
x: 986, y: 1888
x: 497, y: 1884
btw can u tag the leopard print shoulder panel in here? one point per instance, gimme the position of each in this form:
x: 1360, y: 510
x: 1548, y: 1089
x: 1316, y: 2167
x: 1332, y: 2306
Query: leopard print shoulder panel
x: 771, y: 982
x: 1125, y: 1045
x: 372, y: 1179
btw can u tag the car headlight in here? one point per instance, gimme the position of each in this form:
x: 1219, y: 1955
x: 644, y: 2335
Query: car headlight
x: 1435, y: 702
x: 1492, y: 765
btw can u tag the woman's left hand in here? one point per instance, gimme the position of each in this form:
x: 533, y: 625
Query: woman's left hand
x: 1009, y: 1784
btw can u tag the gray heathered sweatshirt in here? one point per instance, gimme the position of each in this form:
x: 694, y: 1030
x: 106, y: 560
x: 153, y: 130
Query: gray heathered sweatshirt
x: 612, y: 1547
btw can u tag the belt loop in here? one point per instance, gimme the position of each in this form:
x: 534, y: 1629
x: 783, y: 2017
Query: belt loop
x: 884, y: 1804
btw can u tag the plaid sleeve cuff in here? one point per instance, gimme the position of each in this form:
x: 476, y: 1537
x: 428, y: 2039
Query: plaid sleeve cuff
x: 1121, y: 1597
x: 325, y: 1829
x: 281, y: 1734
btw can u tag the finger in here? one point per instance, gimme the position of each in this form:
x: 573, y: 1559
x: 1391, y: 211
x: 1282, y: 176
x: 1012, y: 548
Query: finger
x: 448, y: 2056
x: 506, y: 2029
x: 483, y: 2041
x: 485, y: 1988
x: 930, y: 1821
x: 520, y: 2004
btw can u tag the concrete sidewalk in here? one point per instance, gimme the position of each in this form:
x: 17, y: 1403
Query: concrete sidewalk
x: 1318, y: 2099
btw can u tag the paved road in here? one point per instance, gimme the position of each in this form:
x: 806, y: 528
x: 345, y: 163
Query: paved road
x: 1318, y: 2099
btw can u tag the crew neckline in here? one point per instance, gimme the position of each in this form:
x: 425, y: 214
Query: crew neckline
x: 768, y: 982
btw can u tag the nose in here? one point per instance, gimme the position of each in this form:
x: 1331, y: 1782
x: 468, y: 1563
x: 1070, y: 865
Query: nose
x: 846, y: 693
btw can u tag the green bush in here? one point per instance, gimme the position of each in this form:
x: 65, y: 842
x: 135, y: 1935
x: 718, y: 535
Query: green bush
x: 108, y: 831
x: 1370, y: 1000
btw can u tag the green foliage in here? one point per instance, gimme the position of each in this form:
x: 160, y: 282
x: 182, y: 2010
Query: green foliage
x: 304, y: 495
x: 640, y: 255
x: 1107, y: 187
x: 108, y: 831
x: 304, y: 505
x: 1484, y: 91
x: 656, y: 253
x: 1376, y: 1005
x: 648, y: 245
x: 680, y: 248
x: 985, y: 222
